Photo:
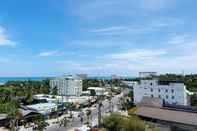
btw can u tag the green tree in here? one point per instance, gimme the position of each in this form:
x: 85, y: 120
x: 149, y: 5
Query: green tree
x: 54, y: 91
x: 40, y: 122
x: 14, y: 115
x: 92, y: 92
x: 193, y: 100
x: 29, y: 97
x: 117, y: 122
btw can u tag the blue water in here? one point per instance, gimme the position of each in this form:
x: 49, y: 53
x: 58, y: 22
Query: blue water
x: 5, y: 79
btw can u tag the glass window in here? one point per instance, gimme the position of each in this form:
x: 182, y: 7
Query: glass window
x: 159, y: 90
x: 152, y: 96
x: 166, y: 90
x: 159, y: 96
x: 172, y: 90
x: 166, y: 96
x: 172, y: 97
x: 151, y: 83
x: 151, y: 89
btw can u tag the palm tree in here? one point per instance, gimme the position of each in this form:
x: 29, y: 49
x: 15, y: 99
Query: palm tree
x: 14, y: 115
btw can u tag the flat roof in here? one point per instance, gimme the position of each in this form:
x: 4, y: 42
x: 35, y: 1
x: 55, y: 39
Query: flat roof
x: 42, y: 106
x: 96, y: 88
x: 182, y: 117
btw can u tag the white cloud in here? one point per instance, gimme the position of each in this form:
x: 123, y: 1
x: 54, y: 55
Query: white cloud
x: 4, y: 39
x: 180, y: 39
x: 50, y: 53
x: 110, y: 29
x: 171, y: 59
x: 138, y: 54
x: 138, y: 28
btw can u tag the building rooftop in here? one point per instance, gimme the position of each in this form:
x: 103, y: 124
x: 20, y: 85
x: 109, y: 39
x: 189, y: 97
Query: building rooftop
x: 43, y: 108
x: 96, y: 88
x: 168, y: 115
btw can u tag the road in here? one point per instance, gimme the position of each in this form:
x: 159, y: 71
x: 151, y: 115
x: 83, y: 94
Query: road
x: 76, y: 121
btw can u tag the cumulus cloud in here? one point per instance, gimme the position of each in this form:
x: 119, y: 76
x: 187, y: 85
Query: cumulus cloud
x: 177, y: 55
x: 4, y: 39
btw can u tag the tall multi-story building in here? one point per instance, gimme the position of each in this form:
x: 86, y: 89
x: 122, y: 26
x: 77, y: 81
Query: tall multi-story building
x: 171, y: 92
x: 67, y: 85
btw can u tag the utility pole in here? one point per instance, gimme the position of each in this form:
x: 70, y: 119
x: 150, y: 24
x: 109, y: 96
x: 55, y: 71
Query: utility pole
x: 100, y: 98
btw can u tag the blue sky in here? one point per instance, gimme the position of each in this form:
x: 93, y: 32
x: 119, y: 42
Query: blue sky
x: 98, y: 37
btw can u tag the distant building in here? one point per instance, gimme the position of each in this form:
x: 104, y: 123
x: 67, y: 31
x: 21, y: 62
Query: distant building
x: 67, y: 85
x: 147, y: 74
x: 130, y: 83
x: 82, y: 76
x: 44, y: 108
x: 98, y: 90
x: 114, y: 76
x: 171, y: 92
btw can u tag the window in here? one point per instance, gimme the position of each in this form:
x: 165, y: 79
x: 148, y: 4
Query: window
x: 166, y: 96
x: 166, y: 90
x: 159, y: 90
x: 173, y: 97
x: 159, y: 96
x: 152, y: 96
x: 151, y: 89
x: 151, y: 83
x: 172, y: 90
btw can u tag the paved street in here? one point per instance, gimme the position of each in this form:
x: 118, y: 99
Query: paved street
x: 76, y: 121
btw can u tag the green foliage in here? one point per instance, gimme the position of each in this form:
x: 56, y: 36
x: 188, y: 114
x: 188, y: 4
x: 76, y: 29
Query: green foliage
x: 54, y: 91
x: 193, y: 100
x: 92, y: 92
x: 29, y: 97
x: 90, y: 83
x: 20, y: 88
x: 7, y: 103
x: 40, y: 122
x: 189, y: 80
x: 13, y: 90
x: 116, y: 122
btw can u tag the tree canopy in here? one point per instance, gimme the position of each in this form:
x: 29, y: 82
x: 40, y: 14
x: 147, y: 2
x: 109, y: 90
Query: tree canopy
x: 117, y: 122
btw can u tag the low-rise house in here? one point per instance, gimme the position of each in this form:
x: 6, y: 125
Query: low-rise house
x: 98, y: 90
x: 44, y: 108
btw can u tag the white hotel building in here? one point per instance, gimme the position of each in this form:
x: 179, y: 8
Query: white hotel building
x: 169, y: 92
x: 67, y: 85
